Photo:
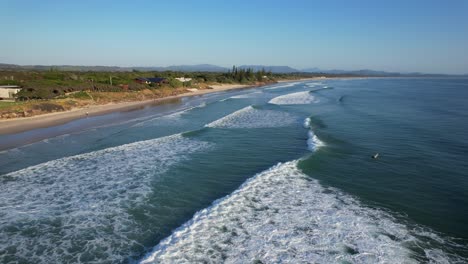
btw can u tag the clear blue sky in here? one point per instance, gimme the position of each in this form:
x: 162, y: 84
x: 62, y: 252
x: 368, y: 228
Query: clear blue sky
x: 397, y: 35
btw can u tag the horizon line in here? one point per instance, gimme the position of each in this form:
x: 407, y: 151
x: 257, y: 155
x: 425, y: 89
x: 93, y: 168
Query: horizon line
x: 319, y: 70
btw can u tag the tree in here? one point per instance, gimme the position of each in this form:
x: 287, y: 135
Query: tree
x: 175, y: 83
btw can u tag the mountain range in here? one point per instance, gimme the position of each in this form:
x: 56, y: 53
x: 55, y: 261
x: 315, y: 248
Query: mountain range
x: 209, y: 68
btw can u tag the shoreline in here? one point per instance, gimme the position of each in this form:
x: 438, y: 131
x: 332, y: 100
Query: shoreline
x: 23, y: 124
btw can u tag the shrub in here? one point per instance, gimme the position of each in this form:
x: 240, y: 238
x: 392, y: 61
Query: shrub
x: 175, y: 83
x: 80, y: 95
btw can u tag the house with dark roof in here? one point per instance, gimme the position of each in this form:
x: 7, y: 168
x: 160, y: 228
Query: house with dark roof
x: 143, y: 80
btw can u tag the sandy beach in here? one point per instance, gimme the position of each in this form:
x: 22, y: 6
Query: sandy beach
x: 17, y: 125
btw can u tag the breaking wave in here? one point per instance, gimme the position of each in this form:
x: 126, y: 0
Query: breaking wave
x: 282, y: 86
x: 307, y: 122
x: 322, y: 88
x: 293, y: 99
x: 283, y: 216
x: 76, y: 209
x: 173, y: 118
x: 313, y: 142
x: 247, y: 95
x: 250, y: 117
x: 314, y: 84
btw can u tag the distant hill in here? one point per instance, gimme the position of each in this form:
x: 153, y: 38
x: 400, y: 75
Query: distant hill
x: 367, y: 72
x: 60, y: 67
x: 315, y: 69
x: 273, y: 69
x: 185, y: 68
x: 211, y: 68
x: 9, y: 66
x: 355, y: 72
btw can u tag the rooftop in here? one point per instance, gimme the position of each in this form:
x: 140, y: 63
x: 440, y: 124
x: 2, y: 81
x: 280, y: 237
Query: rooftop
x: 9, y: 86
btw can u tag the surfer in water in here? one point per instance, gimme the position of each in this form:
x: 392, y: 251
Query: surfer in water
x: 375, y: 156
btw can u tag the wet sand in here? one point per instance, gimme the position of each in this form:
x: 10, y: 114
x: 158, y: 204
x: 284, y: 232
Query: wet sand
x: 17, y: 125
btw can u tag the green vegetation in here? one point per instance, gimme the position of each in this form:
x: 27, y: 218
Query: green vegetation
x: 83, y: 95
x: 6, y: 104
x: 57, y: 84
x: 247, y: 75
x: 53, y: 90
x: 175, y: 83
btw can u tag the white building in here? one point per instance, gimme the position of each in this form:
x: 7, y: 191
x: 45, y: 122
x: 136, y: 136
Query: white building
x: 183, y: 79
x: 8, y: 91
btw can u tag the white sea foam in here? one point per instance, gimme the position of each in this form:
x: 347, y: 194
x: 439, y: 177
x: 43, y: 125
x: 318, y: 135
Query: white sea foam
x: 283, y: 216
x: 307, y: 122
x: 249, y: 117
x: 13, y: 150
x: 247, y: 95
x: 173, y: 118
x: 69, y: 209
x: 313, y: 142
x: 282, y: 86
x: 314, y: 84
x: 293, y: 99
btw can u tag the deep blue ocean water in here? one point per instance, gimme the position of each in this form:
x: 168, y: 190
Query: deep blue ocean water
x: 281, y: 173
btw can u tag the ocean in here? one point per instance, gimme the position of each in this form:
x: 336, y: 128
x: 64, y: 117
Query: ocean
x: 276, y: 174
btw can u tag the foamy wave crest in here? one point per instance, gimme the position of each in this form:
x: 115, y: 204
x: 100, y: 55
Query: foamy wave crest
x: 17, y: 150
x: 174, y: 118
x: 247, y: 95
x: 293, y: 99
x: 283, y: 216
x: 282, y: 86
x: 307, y: 122
x: 314, y: 84
x: 250, y: 117
x: 313, y: 142
x: 77, y: 208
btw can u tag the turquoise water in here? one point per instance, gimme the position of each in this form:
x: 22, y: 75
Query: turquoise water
x: 281, y: 173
